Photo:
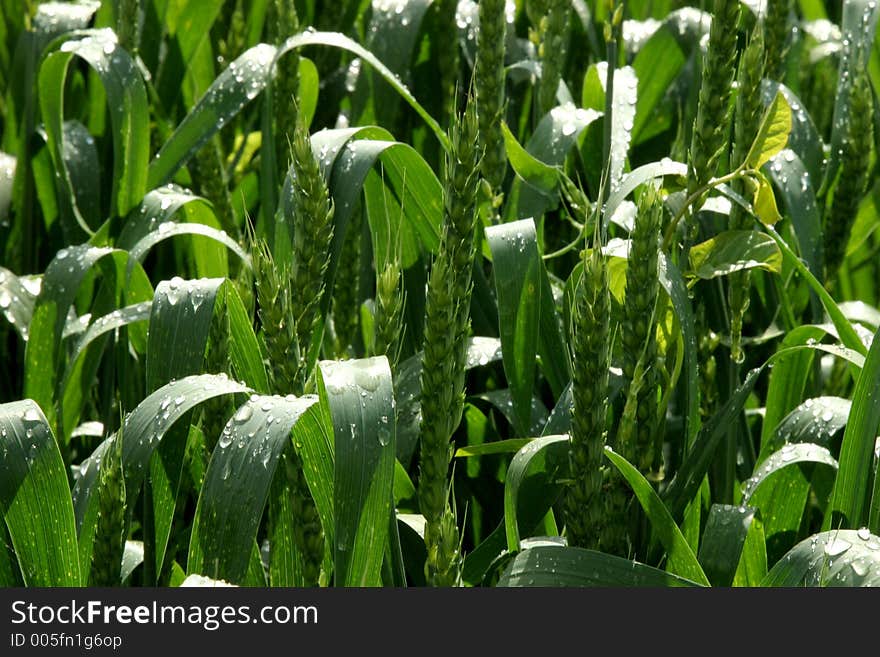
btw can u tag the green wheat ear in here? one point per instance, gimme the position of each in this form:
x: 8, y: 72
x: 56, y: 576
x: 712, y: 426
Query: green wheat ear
x: 489, y: 77
x: 448, y: 60
x: 286, y: 82
x: 312, y: 223
x: 552, y: 50
x: 584, y: 515
x: 639, y: 335
x: 109, y: 542
x: 709, y: 137
x: 747, y: 121
x: 447, y: 324
x: 852, y: 175
x: 345, y: 297
x: 777, y: 32
x: 128, y: 24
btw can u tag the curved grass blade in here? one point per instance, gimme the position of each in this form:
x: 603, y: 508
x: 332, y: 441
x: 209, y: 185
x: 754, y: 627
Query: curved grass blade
x: 237, y: 484
x: 81, y: 162
x: 847, y: 334
x: 816, y: 420
x: 241, y: 82
x: 682, y: 560
x: 568, y: 566
x: 173, y: 229
x: 639, y: 176
x: 516, y: 264
x: 127, y: 102
x: 35, y: 498
x: 361, y: 403
x: 59, y: 288
x: 788, y: 455
x: 83, y: 362
x: 833, y: 558
x: 724, y: 538
x: 850, y: 498
x: 532, y: 482
x: 337, y: 40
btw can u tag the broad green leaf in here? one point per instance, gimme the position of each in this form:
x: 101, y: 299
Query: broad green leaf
x: 723, y: 540
x: 516, y: 264
x: 681, y: 559
x: 360, y: 397
x: 533, y: 171
x: 843, y: 557
x: 237, y: 484
x: 764, y: 203
x: 752, y: 567
x: 35, y: 498
x: 773, y: 134
x: 735, y: 250
x: 129, y: 115
x: 531, y: 482
x: 558, y: 566
x: 179, y: 324
x: 853, y: 487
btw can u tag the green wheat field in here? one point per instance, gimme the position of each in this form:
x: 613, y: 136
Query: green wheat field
x: 439, y: 293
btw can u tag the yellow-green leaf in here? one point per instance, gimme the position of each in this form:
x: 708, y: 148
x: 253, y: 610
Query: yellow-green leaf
x: 773, y: 133
x: 764, y: 203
